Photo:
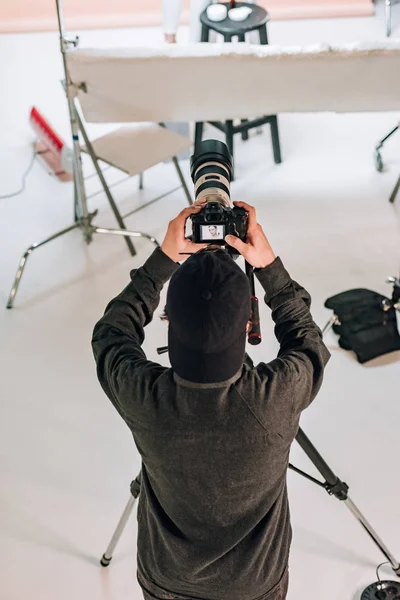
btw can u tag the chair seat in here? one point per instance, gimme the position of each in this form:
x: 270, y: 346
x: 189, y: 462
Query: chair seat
x: 133, y: 149
x: 256, y: 19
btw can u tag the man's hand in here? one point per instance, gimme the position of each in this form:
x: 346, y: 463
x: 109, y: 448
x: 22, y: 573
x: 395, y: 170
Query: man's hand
x: 257, y: 250
x: 175, y: 244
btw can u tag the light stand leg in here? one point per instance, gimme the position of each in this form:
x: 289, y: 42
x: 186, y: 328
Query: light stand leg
x: 140, y: 181
x: 99, y: 172
x: 125, y: 233
x: 335, y: 487
x: 108, y: 554
x: 24, y: 258
x: 182, y: 180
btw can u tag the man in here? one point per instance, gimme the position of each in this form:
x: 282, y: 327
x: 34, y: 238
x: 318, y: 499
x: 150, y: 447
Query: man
x: 214, y: 431
x: 171, y: 12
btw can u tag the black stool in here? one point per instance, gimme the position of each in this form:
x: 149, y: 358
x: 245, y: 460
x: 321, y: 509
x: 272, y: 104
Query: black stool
x: 256, y: 21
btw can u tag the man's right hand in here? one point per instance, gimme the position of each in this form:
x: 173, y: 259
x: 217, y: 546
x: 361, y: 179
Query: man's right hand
x: 257, y: 249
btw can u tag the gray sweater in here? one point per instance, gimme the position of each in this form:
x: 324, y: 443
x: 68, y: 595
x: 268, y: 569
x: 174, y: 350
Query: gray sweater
x: 213, y: 513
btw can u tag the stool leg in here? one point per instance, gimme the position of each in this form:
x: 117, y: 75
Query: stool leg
x: 205, y: 33
x: 227, y: 38
x: 229, y: 138
x: 198, y: 134
x: 263, y: 34
x: 395, y: 192
x: 276, y: 147
x: 245, y: 134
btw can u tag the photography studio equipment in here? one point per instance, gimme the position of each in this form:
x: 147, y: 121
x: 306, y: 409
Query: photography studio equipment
x: 127, y: 149
x: 211, y: 171
x: 167, y: 84
x: 366, y: 322
x: 379, y: 162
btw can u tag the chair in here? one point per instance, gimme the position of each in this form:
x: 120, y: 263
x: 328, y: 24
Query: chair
x: 134, y: 149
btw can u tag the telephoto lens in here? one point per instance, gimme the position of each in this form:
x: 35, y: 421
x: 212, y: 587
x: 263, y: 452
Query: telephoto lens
x: 211, y: 171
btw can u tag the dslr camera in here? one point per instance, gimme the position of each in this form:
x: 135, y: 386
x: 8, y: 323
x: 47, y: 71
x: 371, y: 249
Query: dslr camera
x: 211, y: 172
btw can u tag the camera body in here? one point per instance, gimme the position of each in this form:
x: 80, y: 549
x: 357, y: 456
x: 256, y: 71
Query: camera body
x: 211, y: 171
x: 215, y: 221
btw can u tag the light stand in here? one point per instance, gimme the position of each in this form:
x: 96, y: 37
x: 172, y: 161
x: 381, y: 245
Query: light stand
x: 83, y: 219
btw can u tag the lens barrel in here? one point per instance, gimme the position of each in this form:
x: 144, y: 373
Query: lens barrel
x: 211, y: 171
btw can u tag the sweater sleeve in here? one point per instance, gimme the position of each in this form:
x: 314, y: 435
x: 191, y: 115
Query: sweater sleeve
x: 122, y: 368
x: 293, y: 379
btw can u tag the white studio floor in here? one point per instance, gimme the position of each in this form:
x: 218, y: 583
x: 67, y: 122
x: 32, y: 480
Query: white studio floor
x: 66, y: 457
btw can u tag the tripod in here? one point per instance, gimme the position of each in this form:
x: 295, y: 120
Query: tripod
x: 82, y: 218
x: 332, y: 484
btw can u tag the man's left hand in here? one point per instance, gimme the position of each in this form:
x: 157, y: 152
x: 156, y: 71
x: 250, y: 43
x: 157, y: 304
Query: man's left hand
x: 175, y: 244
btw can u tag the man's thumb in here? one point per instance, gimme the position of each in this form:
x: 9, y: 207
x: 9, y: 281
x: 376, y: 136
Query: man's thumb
x: 235, y: 242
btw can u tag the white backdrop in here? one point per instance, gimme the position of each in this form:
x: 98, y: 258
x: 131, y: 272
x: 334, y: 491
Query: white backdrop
x: 202, y: 82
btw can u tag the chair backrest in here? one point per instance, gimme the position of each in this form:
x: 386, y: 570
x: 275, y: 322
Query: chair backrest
x: 206, y: 82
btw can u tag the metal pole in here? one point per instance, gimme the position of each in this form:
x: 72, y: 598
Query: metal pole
x: 77, y: 158
x: 372, y: 533
x: 99, y: 172
x: 108, y: 554
x: 24, y: 258
x: 135, y: 491
x: 126, y: 233
x: 182, y: 180
x: 332, y: 321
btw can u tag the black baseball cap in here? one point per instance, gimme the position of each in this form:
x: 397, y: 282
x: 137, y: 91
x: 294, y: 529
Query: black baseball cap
x: 208, y: 307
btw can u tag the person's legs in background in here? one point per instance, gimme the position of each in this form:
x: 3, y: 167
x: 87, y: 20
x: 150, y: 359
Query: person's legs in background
x: 171, y: 13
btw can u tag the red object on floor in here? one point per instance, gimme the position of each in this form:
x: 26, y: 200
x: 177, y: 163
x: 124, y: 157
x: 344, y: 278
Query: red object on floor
x: 51, y: 148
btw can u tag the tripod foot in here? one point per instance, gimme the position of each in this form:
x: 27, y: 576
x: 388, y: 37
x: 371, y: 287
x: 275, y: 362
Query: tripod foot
x: 104, y: 561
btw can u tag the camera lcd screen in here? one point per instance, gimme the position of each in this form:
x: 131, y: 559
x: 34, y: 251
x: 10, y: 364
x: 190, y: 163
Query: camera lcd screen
x: 212, y: 232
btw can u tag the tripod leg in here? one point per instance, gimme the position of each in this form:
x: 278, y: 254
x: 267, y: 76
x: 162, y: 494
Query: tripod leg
x: 108, y: 554
x: 335, y: 487
x: 374, y: 536
x: 104, y: 183
x: 24, y: 258
x: 135, y: 491
x: 182, y: 180
x: 395, y: 191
